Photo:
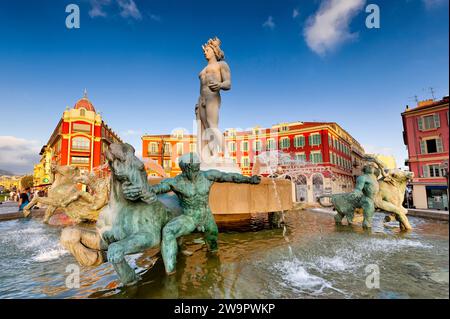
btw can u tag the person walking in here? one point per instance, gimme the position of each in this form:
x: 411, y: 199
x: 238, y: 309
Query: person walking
x: 24, y: 199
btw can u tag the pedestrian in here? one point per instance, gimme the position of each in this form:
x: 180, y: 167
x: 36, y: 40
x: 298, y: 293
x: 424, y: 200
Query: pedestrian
x: 24, y: 199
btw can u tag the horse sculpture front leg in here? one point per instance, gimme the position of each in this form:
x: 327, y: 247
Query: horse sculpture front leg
x: 37, y: 200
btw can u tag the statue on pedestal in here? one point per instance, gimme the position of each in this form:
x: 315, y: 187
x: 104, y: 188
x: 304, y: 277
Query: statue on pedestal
x: 216, y: 76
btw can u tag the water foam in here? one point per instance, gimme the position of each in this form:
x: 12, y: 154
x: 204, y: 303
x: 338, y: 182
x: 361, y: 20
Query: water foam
x: 296, y: 274
x: 304, y: 274
x: 49, y: 254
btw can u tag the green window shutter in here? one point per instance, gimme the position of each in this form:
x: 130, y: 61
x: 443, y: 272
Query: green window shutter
x: 319, y: 139
x: 437, y: 120
x: 310, y: 140
x: 420, y: 123
x: 302, y: 141
x: 425, y: 171
x: 440, y: 149
x: 423, y: 149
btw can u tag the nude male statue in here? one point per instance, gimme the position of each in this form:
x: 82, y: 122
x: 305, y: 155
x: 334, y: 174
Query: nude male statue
x: 367, y: 184
x: 192, y: 188
x: 214, y: 77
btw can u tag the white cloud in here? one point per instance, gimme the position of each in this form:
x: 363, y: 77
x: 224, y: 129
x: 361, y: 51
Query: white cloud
x: 155, y: 17
x: 18, y: 155
x: 295, y: 13
x: 128, y: 9
x: 97, y: 9
x: 329, y: 26
x: 431, y: 4
x: 269, y: 23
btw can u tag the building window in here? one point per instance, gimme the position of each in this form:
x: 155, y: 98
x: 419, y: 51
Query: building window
x: 167, y: 164
x: 316, y: 157
x: 271, y: 145
x: 299, y: 141
x: 433, y: 170
x: 315, y: 139
x: 257, y: 146
x: 81, y: 143
x: 153, y: 148
x: 192, y: 147
x: 429, y: 122
x: 80, y: 160
x: 78, y: 127
x: 285, y: 142
x: 284, y: 128
x: 300, y: 157
x: 180, y: 149
x: 245, y: 162
x: 232, y: 146
x: 431, y: 146
x: 244, y: 146
x: 167, y: 149
x: 82, y: 112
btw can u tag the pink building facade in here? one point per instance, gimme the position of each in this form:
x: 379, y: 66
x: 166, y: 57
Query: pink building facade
x: 426, y: 135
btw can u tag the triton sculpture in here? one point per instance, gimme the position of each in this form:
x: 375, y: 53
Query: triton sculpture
x: 136, y: 219
x: 192, y: 188
x: 371, y: 193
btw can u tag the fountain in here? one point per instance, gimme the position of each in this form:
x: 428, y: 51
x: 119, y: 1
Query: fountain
x: 118, y: 256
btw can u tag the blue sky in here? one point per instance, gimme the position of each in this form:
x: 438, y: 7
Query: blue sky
x: 290, y: 60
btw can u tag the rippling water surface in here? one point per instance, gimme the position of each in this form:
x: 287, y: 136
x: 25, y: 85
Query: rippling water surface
x: 315, y: 259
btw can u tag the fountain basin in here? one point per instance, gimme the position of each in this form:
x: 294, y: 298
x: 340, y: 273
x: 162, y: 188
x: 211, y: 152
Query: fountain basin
x: 232, y: 202
x: 321, y: 260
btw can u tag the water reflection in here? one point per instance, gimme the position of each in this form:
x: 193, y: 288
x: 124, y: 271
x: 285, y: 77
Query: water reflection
x: 320, y: 261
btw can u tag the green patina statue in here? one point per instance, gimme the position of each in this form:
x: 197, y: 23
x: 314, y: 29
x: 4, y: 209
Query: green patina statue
x: 371, y: 193
x: 192, y: 188
x: 123, y: 227
x: 139, y: 216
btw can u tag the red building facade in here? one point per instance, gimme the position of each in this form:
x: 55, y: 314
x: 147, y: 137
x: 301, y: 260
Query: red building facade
x: 426, y: 135
x: 81, y: 137
x: 335, y: 155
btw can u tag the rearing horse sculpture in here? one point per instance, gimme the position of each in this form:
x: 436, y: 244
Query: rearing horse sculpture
x: 123, y: 227
x: 64, y: 194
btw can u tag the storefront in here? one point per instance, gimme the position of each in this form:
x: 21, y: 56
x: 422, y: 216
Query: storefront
x: 437, y: 197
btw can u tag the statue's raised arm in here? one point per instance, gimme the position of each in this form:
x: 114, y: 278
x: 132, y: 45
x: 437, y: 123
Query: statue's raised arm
x: 221, y: 177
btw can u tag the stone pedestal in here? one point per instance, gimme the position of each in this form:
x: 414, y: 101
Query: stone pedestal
x: 232, y: 202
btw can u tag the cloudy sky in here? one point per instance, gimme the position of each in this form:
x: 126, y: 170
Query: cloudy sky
x: 291, y: 60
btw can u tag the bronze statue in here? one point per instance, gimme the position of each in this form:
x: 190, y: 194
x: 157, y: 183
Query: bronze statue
x: 192, y: 188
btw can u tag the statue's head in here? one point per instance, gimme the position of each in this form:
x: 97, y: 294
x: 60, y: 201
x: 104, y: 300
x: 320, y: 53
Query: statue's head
x: 212, y: 49
x: 370, y: 169
x: 124, y: 165
x: 190, y: 165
